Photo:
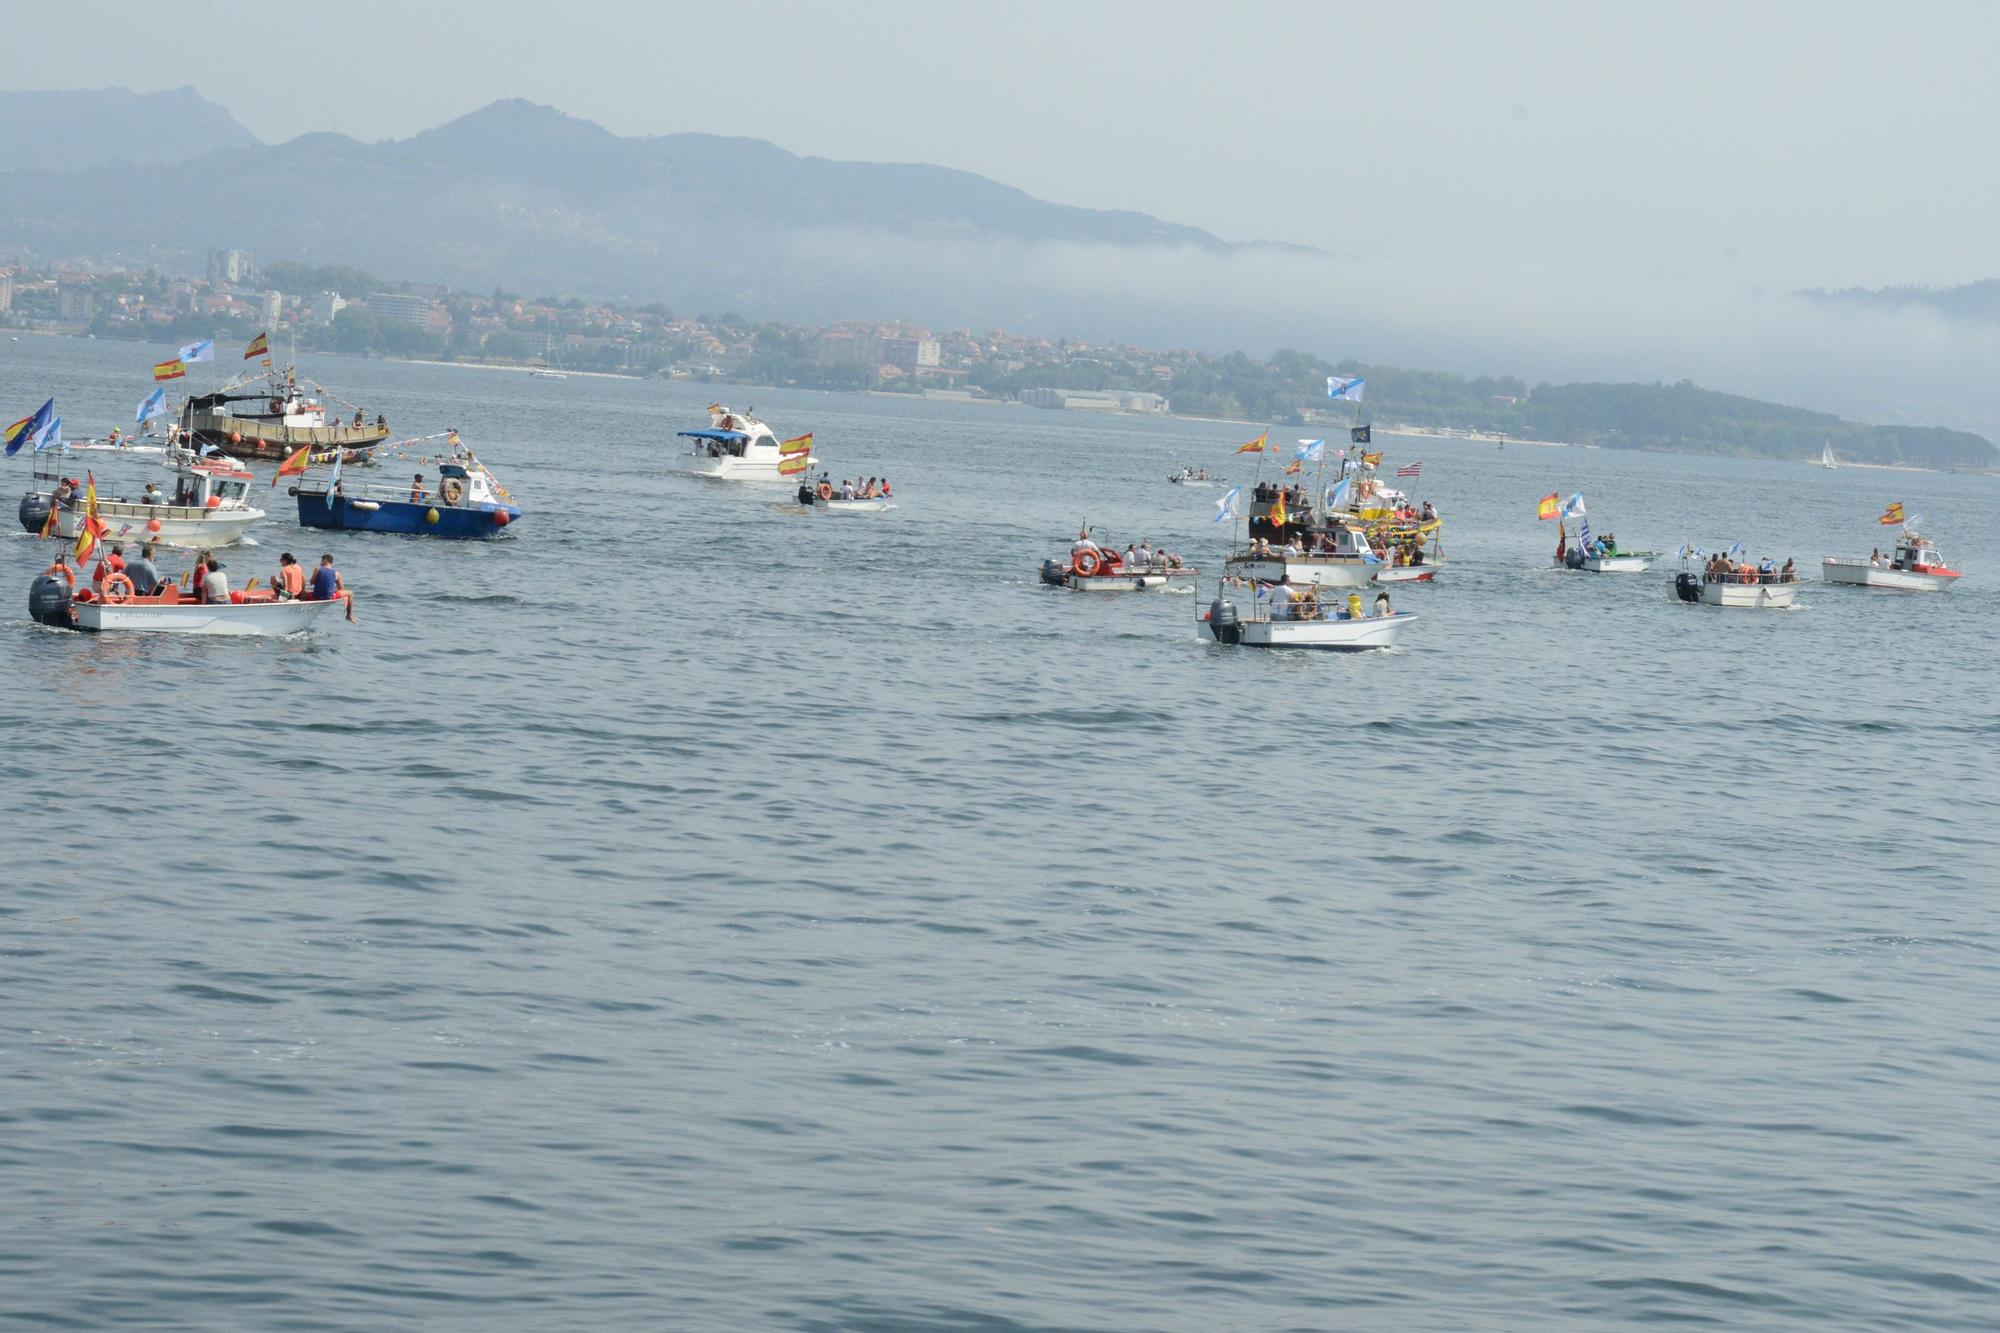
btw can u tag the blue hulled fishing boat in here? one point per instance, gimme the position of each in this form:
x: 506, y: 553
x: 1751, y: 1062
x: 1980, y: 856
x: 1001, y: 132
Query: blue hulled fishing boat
x: 463, y: 501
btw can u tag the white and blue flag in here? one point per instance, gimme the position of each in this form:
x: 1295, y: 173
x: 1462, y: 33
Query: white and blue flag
x: 1225, y: 508
x: 1573, y: 507
x: 333, y: 477
x: 1338, y: 388
x: 1311, y: 451
x: 201, y: 351
x: 1335, y: 494
x: 154, y: 406
x: 1735, y: 549
x: 1584, y: 535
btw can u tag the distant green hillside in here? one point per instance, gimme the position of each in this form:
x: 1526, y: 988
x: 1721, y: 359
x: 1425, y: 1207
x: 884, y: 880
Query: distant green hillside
x: 1672, y: 418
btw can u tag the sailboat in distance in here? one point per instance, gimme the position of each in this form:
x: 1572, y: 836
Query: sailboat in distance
x: 1826, y: 459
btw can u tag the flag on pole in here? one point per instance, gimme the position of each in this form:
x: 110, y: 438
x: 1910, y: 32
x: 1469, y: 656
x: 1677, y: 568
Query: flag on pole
x: 259, y: 346
x: 1225, y: 508
x: 1336, y: 494
x: 798, y: 444
x: 1583, y: 535
x: 1415, y: 469
x: 1573, y: 507
x: 793, y: 464
x: 294, y: 465
x: 1278, y: 514
x: 1296, y: 466
x: 1890, y: 516
x: 1311, y: 451
x: 49, y: 523
x: 154, y: 406
x: 51, y: 437
x: 1547, y: 507
x: 169, y: 370
x: 1255, y: 446
x: 1360, y: 435
x: 333, y: 477
x: 28, y: 428
x: 1339, y: 388
x: 1372, y: 460
x: 92, y: 528
x: 201, y: 351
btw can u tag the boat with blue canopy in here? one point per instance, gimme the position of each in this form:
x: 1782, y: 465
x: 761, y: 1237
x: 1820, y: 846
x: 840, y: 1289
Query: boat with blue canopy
x: 738, y: 447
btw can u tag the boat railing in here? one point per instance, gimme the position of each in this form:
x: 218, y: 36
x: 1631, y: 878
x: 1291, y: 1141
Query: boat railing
x: 381, y: 492
x: 1754, y: 576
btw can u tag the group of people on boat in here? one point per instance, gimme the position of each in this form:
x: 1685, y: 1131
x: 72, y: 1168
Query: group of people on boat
x: 1087, y: 557
x: 1291, y: 601
x: 1721, y: 569
x: 1187, y: 474
x: 875, y: 488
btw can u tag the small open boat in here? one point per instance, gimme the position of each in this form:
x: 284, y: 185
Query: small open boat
x: 259, y: 613
x: 1276, y: 620
x: 1101, y: 569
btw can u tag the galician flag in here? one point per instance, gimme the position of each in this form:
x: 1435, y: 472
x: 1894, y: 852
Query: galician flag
x: 201, y: 351
x: 154, y: 406
x: 1225, y: 508
x: 1348, y: 390
x: 1311, y: 451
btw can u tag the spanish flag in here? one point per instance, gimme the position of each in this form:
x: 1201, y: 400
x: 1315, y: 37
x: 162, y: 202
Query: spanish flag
x: 169, y: 370
x: 92, y: 527
x: 794, y: 464
x: 259, y: 346
x: 294, y: 465
x: 1372, y: 460
x: 1255, y: 446
x: 1892, y: 515
x: 1278, y: 515
x: 49, y: 523
x: 1548, y: 507
x: 1296, y: 466
x: 798, y: 444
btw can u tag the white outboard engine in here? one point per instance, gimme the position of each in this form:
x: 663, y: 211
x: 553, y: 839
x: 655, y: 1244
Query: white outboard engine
x: 1687, y: 587
x: 1054, y: 573
x: 48, y: 602
x: 1223, y: 621
x: 35, y: 510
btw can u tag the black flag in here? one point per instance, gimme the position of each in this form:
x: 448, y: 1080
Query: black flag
x: 1359, y: 435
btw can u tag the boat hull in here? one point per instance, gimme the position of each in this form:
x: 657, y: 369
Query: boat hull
x: 1316, y: 571
x: 1749, y: 596
x: 1325, y: 635
x: 409, y: 517
x: 729, y: 468
x: 251, y: 619
x: 180, y: 525
x: 250, y: 438
x: 1149, y: 581
x: 1406, y: 574
x: 1859, y: 573
x: 853, y: 506
x: 1612, y: 564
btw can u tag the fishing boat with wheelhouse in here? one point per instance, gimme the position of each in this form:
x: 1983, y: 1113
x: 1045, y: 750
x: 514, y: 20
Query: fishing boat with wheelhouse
x: 466, y: 502
x: 1915, y: 565
x: 277, y: 420
x: 208, y: 504
x: 1289, y: 540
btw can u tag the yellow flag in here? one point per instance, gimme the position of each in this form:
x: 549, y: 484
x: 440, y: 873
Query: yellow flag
x: 1892, y: 515
x: 799, y: 444
x: 88, y: 531
x: 1296, y: 466
x: 1255, y: 446
x: 1278, y: 515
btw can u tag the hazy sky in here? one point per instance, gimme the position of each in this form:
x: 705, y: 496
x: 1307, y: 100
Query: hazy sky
x: 1779, y: 145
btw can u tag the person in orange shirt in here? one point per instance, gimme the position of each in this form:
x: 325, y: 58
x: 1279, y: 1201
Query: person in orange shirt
x: 291, y: 580
x: 112, y: 563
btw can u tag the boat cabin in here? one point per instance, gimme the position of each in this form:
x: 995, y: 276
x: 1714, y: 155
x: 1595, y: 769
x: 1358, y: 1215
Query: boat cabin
x: 1916, y: 554
x: 467, y: 488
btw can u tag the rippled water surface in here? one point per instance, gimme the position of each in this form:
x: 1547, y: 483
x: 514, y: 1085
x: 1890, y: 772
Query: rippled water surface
x: 694, y: 912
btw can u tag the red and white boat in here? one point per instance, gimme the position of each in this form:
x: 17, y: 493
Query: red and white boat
x: 113, y: 610
x: 1095, y: 569
x: 1917, y: 566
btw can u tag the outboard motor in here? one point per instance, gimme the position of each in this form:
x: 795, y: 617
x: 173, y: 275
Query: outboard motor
x: 35, y: 510
x: 1223, y: 622
x: 1574, y: 557
x: 48, y: 602
x: 805, y: 495
x: 1687, y: 587
x: 1053, y: 573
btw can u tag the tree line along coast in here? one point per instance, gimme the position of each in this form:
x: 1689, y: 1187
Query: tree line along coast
x: 346, y: 310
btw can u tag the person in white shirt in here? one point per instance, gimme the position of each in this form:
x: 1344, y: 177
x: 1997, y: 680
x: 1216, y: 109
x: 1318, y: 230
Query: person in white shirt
x: 1282, y: 597
x: 1292, y: 547
x: 1145, y: 556
x: 847, y: 490
x: 1131, y: 557
x: 215, y: 585
x: 1082, y: 543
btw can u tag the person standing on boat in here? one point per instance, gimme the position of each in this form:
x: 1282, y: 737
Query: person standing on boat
x: 325, y: 581
x: 112, y: 563
x: 145, y: 575
x: 1131, y: 556
x: 416, y: 488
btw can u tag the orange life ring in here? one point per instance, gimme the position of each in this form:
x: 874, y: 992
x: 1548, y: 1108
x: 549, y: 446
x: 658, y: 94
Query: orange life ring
x: 64, y: 570
x: 113, y: 582
x: 1087, y: 562
x: 826, y: 490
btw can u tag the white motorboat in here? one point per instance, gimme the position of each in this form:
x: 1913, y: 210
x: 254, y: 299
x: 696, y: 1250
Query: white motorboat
x: 1744, y: 590
x: 1916, y: 566
x: 738, y: 447
x: 258, y: 614
x: 1104, y: 570
x: 209, y: 506
x: 1339, y: 556
x: 1599, y: 555
x: 1281, y: 623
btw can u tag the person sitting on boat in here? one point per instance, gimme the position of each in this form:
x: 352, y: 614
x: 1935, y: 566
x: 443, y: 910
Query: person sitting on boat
x: 885, y: 488
x: 1382, y: 605
x: 1875, y: 558
x: 1145, y: 557
x: 214, y: 584
x: 1790, y: 573
x: 112, y: 563
x: 1429, y: 514
x: 846, y: 490
x: 145, y: 575
x: 357, y: 418
x: 1293, y: 547
x: 325, y: 581
x: 65, y: 492
x: 290, y: 581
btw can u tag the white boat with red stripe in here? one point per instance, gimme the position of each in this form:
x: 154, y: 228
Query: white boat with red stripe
x: 1916, y: 566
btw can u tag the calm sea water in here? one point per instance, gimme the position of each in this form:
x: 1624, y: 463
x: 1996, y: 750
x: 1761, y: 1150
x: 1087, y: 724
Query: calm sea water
x: 692, y: 912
